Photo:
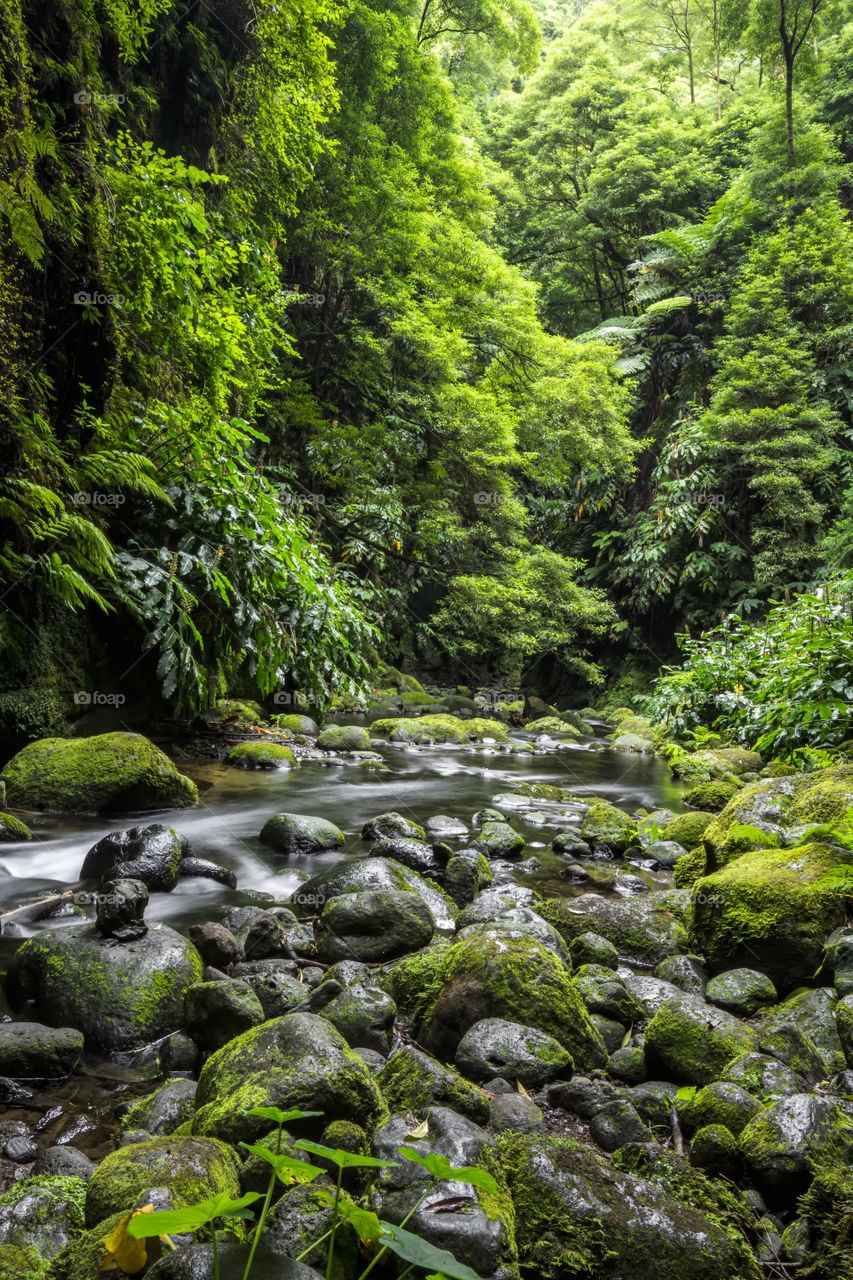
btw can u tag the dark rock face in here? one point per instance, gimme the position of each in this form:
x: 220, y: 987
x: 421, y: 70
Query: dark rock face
x: 154, y: 854
x: 29, y: 1051
x: 120, y: 910
x: 373, y: 926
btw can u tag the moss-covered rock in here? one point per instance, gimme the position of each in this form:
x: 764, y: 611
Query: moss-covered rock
x: 344, y: 737
x: 578, y: 1215
x: 498, y: 840
x: 487, y: 976
x: 191, y: 1168
x: 781, y: 1143
x: 772, y: 909
x: 741, y: 991
x: 814, y: 1011
x: 690, y: 868
x: 109, y: 773
x: 762, y: 1076
x: 440, y: 728
x: 412, y: 1081
x: 603, y: 824
x: 690, y: 1041
x: 711, y: 797
x: 687, y: 829
x: 296, y: 724
x: 373, y: 926
x: 374, y: 875
x: 415, y: 981
x: 216, y: 1012
x: 644, y: 930
x: 774, y: 804
x: 42, y: 1215
x: 495, y: 1047
x: 720, y: 1102
x: 121, y: 996
x: 388, y: 826
x: 722, y: 763
x: 299, y: 1060
x: 553, y: 727
x: 16, y: 1262
x: 715, y: 1150
x: 12, y: 829
x: 299, y: 834
x: 262, y: 755
x: 163, y: 1111
x: 237, y: 711
x: 29, y: 1051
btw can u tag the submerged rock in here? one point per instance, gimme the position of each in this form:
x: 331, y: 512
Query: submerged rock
x: 109, y: 773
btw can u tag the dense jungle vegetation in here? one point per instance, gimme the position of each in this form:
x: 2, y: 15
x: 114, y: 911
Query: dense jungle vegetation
x: 469, y: 333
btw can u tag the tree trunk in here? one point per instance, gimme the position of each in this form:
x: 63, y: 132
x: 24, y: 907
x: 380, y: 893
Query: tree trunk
x: 789, y: 106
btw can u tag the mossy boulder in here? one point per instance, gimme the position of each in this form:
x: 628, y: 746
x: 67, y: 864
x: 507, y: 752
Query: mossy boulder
x: 714, y: 1149
x: 373, y: 875
x: 720, y: 1102
x: 441, y: 729
x: 412, y: 1081
x: 122, y: 996
x: 498, y: 840
x: 216, y: 1012
x: 763, y: 1076
x: 723, y: 763
x: 12, y: 829
x: 553, y: 727
x: 687, y: 829
x: 692, y: 1042
x: 344, y: 737
x: 772, y: 909
x: 29, y: 1051
x: 373, y: 925
x: 414, y: 982
x: 711, y: 797
x: 605, y: 825
x: 299, y: 1060
x: 237, y: 711
x: 388, y: 826
x: 643, y: 930
x: 163, y: 1111
x: 488, y: 976
x: 16, y: 1262
x: 296, y: 724
x: 741, y: 991
x: 364, y: 1014
x: 42, y: 1215
x: 109, y: 773
x: 780, y: 1145
x: 579, y: 1215
x: 191, y: 1168
x: 795, y: 801
x: 262, y: 755
x: 296, y: 834
x: 495, y: 1047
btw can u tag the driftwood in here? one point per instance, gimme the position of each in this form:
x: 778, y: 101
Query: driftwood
x: 53, y: 900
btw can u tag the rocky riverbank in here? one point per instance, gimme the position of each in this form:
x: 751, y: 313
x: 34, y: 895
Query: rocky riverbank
x: 657, y: 1077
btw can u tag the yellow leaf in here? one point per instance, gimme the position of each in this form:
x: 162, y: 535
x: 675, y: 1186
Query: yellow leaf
x: 124, y: 1253
x: 522, y: 1090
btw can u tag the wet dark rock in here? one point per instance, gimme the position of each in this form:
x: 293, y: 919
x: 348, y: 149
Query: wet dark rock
x: 215, y: 944
x: 685, y: 972
x: 30, y: 1051
x: 178, y: 1053
x: 466, y: 874
x: 778, y: 1144
x: 151, y: 854
x: 377, y: 874
x: 521, y: 922
x: 275, y: 984
x: 195, y: 1262
x: 216, y: 1012
x: 582, y: 1096
x: 385, y: 826
x: 412, y: 1081
x: 628, y: 1064
x: 163, y: 1111
x: 616, y: 1124
x: 495, y: 1047
x: 64, y: 1162
x: 763, y: 1076
x: 415, y: 854
x: 611, y: 1032
x: 207, y: 870
x: 721, y: 1102
x: 43, y: 1214
x: 514, y: 1111
x: 814, y: 1010
x: 121, y: 909
x: 274, y: 933
x: 21, y: 1150
x: 792, y: 1046
x: 295, y: 834
x: 571, y: 844
x: 589, y: 948
x: 364, y: 1014
x: 715, y: 1151
x: 741, y: 991
x: 644, y: 930
x: 373, y: 926
x: 602, y: 992
x: 692, y: 1042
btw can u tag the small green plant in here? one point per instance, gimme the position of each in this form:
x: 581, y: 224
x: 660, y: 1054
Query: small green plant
x: 373, y: 1232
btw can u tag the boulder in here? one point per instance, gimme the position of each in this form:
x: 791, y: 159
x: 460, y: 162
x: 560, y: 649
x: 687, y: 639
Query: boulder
x: 262, y: 755
x: 299, y: 1060
x: 467, y: 873
x: 373, y: 926
x: 813, y: 1010
x: 805, y: 800
x: 216, y: 1012
x: 374, y: 874
x: 692, y: 1042
x: 495, y: 1047
x: 606, y: 827
x: 577, y: 1214
x: 275, y: 984
x: 109, y: 773
x: 43, y: 1214
x: 364, y: 1014
x: 772, y: 909
x: 763, y: 1076
x: 498, y: 840
x: 297, y: 834
x: 151, y: 854
x: 12, y: 829
x: 721, y: 1102
x: 644, y: 930
x: 344, y: 737
x: 192, y: 1168
x: 163, y: 1111
x: 387, y: 826
x: 741, y: 991
x: 120, y: 995
x: 415, y: 854
x: 486, y: 976
x: 196, y: 1262
x: 29, y: 1051
x: 779, y: 1144
x: 412, y: 1081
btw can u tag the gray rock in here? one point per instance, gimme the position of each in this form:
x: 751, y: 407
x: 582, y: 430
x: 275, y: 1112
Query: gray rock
x: 295, y: 834
x: 763, y: 1076
x: 517, y: 922
x: 63, y: 1162
x: 215, y: 944
x: 163, y: 1111
x: 514, y: 1111
x: 582, y: 1096
x: 377, y: 874
x: 602, y: 992
x: 665, y: 852
x: 195, y: 1262
x: 44, y: 1216
x: 785, y: 1041
x: 692, y: 1042
x: 364, y: 1015
x: 442, y: 827
x: 388, y: 825
x: 21, y: 1150
x: 685, y: 972
x: 373, y: 926
x: 589, y: 948
x: 29, y: 1051
x: 467, y: 873
x: 275, y: 984
x: 495, y: 902
x: 494, y: 1047
x: 741, y: 991
x: 412, y: 1081
x: 778, y: 1144
x: 644, y: 930
x: 498, y: 840
x: 628, y: 1063
x: 616, y: 1124
x: 216, y: 1012
x: 415, y: 854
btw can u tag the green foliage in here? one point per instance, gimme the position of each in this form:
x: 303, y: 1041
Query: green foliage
x: 782, y: 687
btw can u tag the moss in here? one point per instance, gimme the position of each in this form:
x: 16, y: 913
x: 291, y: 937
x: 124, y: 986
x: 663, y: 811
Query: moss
x: 13, y: 829
x: 742, y: 838
x: 554, y: 727
x: 419, y: 699
x: 54, y: 1208
x: 17, y: 1263
x: 413, y: 1081
x: 605, y: 824
x: 644, y: 930
x: 241, y: 710
x: 112, y: 772
x: 827, y: 1207
x: 690, y: 868
x: 295, y: 724
x: 344, y: 737
x: 687, y: 829
x: 544, y: 791
x: 720, y: 1103
x: 772, y: 909
x: 692, y: 1042
x: 711, y: 797
x: 413, y: 983
x: 262, y: 755
x: 441, y: 728
x: 192, y: 1168
x: 638, y: 725
x: 485, y: 977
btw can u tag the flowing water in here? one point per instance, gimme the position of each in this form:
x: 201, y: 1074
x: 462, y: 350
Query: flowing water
x: 235, y: 803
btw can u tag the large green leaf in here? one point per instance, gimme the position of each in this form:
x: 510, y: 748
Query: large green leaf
x: 421, y: 1253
